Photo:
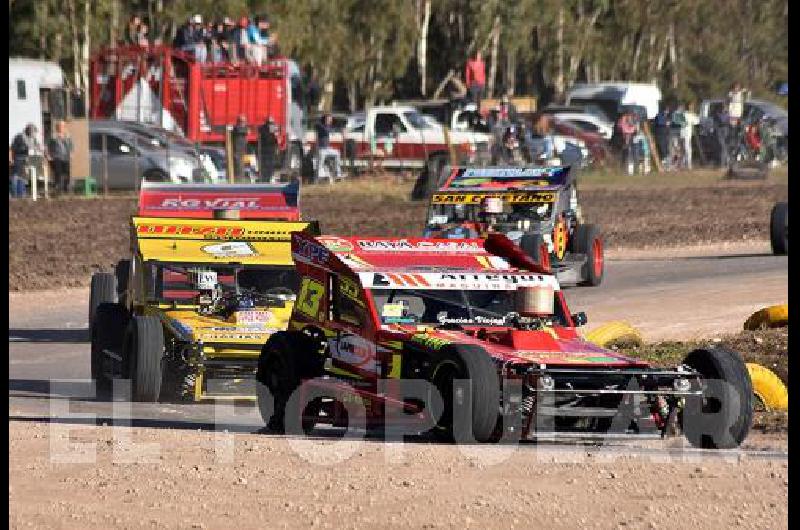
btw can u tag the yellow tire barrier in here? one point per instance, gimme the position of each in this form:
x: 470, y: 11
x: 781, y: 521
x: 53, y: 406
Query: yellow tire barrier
x: 775, y: 316
x: 768, y: 387
x: 612, y: 333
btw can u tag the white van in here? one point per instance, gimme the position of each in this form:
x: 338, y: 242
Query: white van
x: 612, y: 96
x: 35, y: 95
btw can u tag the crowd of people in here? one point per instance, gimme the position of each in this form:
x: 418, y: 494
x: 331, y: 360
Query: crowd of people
x: 249, y: 40
x: 27, y: 155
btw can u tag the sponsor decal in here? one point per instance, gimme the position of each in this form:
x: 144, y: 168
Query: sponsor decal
x: 516, y: 172
x: 253, y: 318
x: 311, y: 251
x: 457, y: 281
x: 477, y: 319
x: 434, y: 343
x: 336, y: 244
x: 231, y: 203
x: 404, y: 245
x: 355, y: 351
x: 232, y: 249
x: 210, y: 232
x: 508, y: 197
x: 310, y: 297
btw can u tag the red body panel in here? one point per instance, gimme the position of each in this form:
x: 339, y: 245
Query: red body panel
x: 199, y: 201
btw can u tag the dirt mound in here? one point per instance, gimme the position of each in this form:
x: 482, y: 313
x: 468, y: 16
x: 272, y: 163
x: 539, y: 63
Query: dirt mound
x: 59, y: 243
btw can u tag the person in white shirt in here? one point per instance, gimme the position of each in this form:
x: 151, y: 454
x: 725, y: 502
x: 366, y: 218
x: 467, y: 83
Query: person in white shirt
x: 736, y: 99
x: 687, y: 131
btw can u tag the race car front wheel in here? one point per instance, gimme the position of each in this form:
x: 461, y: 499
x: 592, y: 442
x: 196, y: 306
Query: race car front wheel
x: 286, y: 359
x: 108, y: 331
x: 144, y: 351
x: 589, y: 241
x: 103, y: 290
x: 721, y: 417
x: 467, y: 381
x: 779, y: 228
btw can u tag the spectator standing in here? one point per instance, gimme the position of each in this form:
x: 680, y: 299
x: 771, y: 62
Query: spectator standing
x: 268, y: 144
x: 240, y: 41
x: 191, y: 38
x: 735, y: 103
x: 239, y: 139
x: 661, y: 132
x: 258, y: 32
x: 691, y: 119
x: 225, y: 39
x: 324, y: 149
x: 25, y: 145
x: 130, y: 35
x: 475, y: 76
x: 677, y: 124
x: 60, y: 149
x: 144, y: 35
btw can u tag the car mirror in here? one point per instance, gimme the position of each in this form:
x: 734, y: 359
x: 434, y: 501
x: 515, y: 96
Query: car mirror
x: 579, y: 319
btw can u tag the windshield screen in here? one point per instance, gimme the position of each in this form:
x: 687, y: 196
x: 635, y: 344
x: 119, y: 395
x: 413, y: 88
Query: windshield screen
x: 417, y: 120
x: 170, y: 282
x: 443, y: 307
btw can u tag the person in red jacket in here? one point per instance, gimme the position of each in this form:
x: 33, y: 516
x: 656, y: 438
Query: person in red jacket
x: 476, y: 78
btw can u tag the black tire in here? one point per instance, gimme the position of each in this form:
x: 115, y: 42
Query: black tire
x: 589, y: 241
x: 103, y: 290
x: 717, y: 421
x: 286, y: 359
x: 144, y: 351
x: 108, y: 333
x: 122, y: 272
x: 532, y: 245
x: 779, y: 228
x: 473, y: 364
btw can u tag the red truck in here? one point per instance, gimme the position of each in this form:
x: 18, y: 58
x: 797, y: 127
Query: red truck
x: 166, y: 87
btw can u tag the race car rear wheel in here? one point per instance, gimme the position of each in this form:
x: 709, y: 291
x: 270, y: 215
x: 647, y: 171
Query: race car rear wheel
x: 144, y: 351
x: 122, y: 271
x: 108, y: 332
x: 779, y: 228
x: 589, y: 241
x: 103, y: 290
x: 286, y: 359
x: 467, y: 380
x: 721, y: 418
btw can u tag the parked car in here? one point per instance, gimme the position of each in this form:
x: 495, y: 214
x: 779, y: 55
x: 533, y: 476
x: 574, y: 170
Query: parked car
x: 131, y: 156
x: 587, y: 122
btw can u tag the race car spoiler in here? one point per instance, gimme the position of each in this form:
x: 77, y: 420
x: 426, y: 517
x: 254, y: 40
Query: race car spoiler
x: 496, y: 254
x: 200, y: 201
x: 506, y: 178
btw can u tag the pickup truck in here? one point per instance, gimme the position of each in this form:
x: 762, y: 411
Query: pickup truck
x: 400, y: 137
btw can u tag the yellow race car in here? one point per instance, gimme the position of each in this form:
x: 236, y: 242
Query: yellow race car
x: 186, y: 317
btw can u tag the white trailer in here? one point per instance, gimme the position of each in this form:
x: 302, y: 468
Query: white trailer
x: 34, y: 88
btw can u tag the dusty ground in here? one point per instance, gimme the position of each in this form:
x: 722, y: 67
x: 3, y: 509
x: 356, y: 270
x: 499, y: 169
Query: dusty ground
x: 61, y: 242
x: 266, y: 482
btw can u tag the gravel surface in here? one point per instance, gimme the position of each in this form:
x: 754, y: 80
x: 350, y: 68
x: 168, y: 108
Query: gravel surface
x: 264, y: 482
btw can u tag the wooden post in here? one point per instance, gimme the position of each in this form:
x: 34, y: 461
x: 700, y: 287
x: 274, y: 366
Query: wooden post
x: 653, y: 148
x: 105, y: 165
x: 229, y: 154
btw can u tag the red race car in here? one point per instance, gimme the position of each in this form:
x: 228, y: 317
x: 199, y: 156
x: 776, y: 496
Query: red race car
x: 472, y: 340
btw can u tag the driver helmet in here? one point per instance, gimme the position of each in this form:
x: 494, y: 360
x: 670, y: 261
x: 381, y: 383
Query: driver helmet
x: 535, y: 301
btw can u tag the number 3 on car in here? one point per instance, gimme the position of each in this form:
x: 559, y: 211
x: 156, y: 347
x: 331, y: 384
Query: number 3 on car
x: 311, y: 292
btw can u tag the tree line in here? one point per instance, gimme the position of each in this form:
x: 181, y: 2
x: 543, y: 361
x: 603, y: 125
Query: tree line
x: 369, y: 51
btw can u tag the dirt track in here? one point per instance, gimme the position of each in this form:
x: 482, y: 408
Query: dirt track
x: 266, y: 483
x: 61, y: 242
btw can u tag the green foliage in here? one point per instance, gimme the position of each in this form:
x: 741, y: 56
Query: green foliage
x: 692, y: 48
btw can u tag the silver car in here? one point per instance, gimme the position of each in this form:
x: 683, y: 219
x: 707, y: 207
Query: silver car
x: 130, y: 156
